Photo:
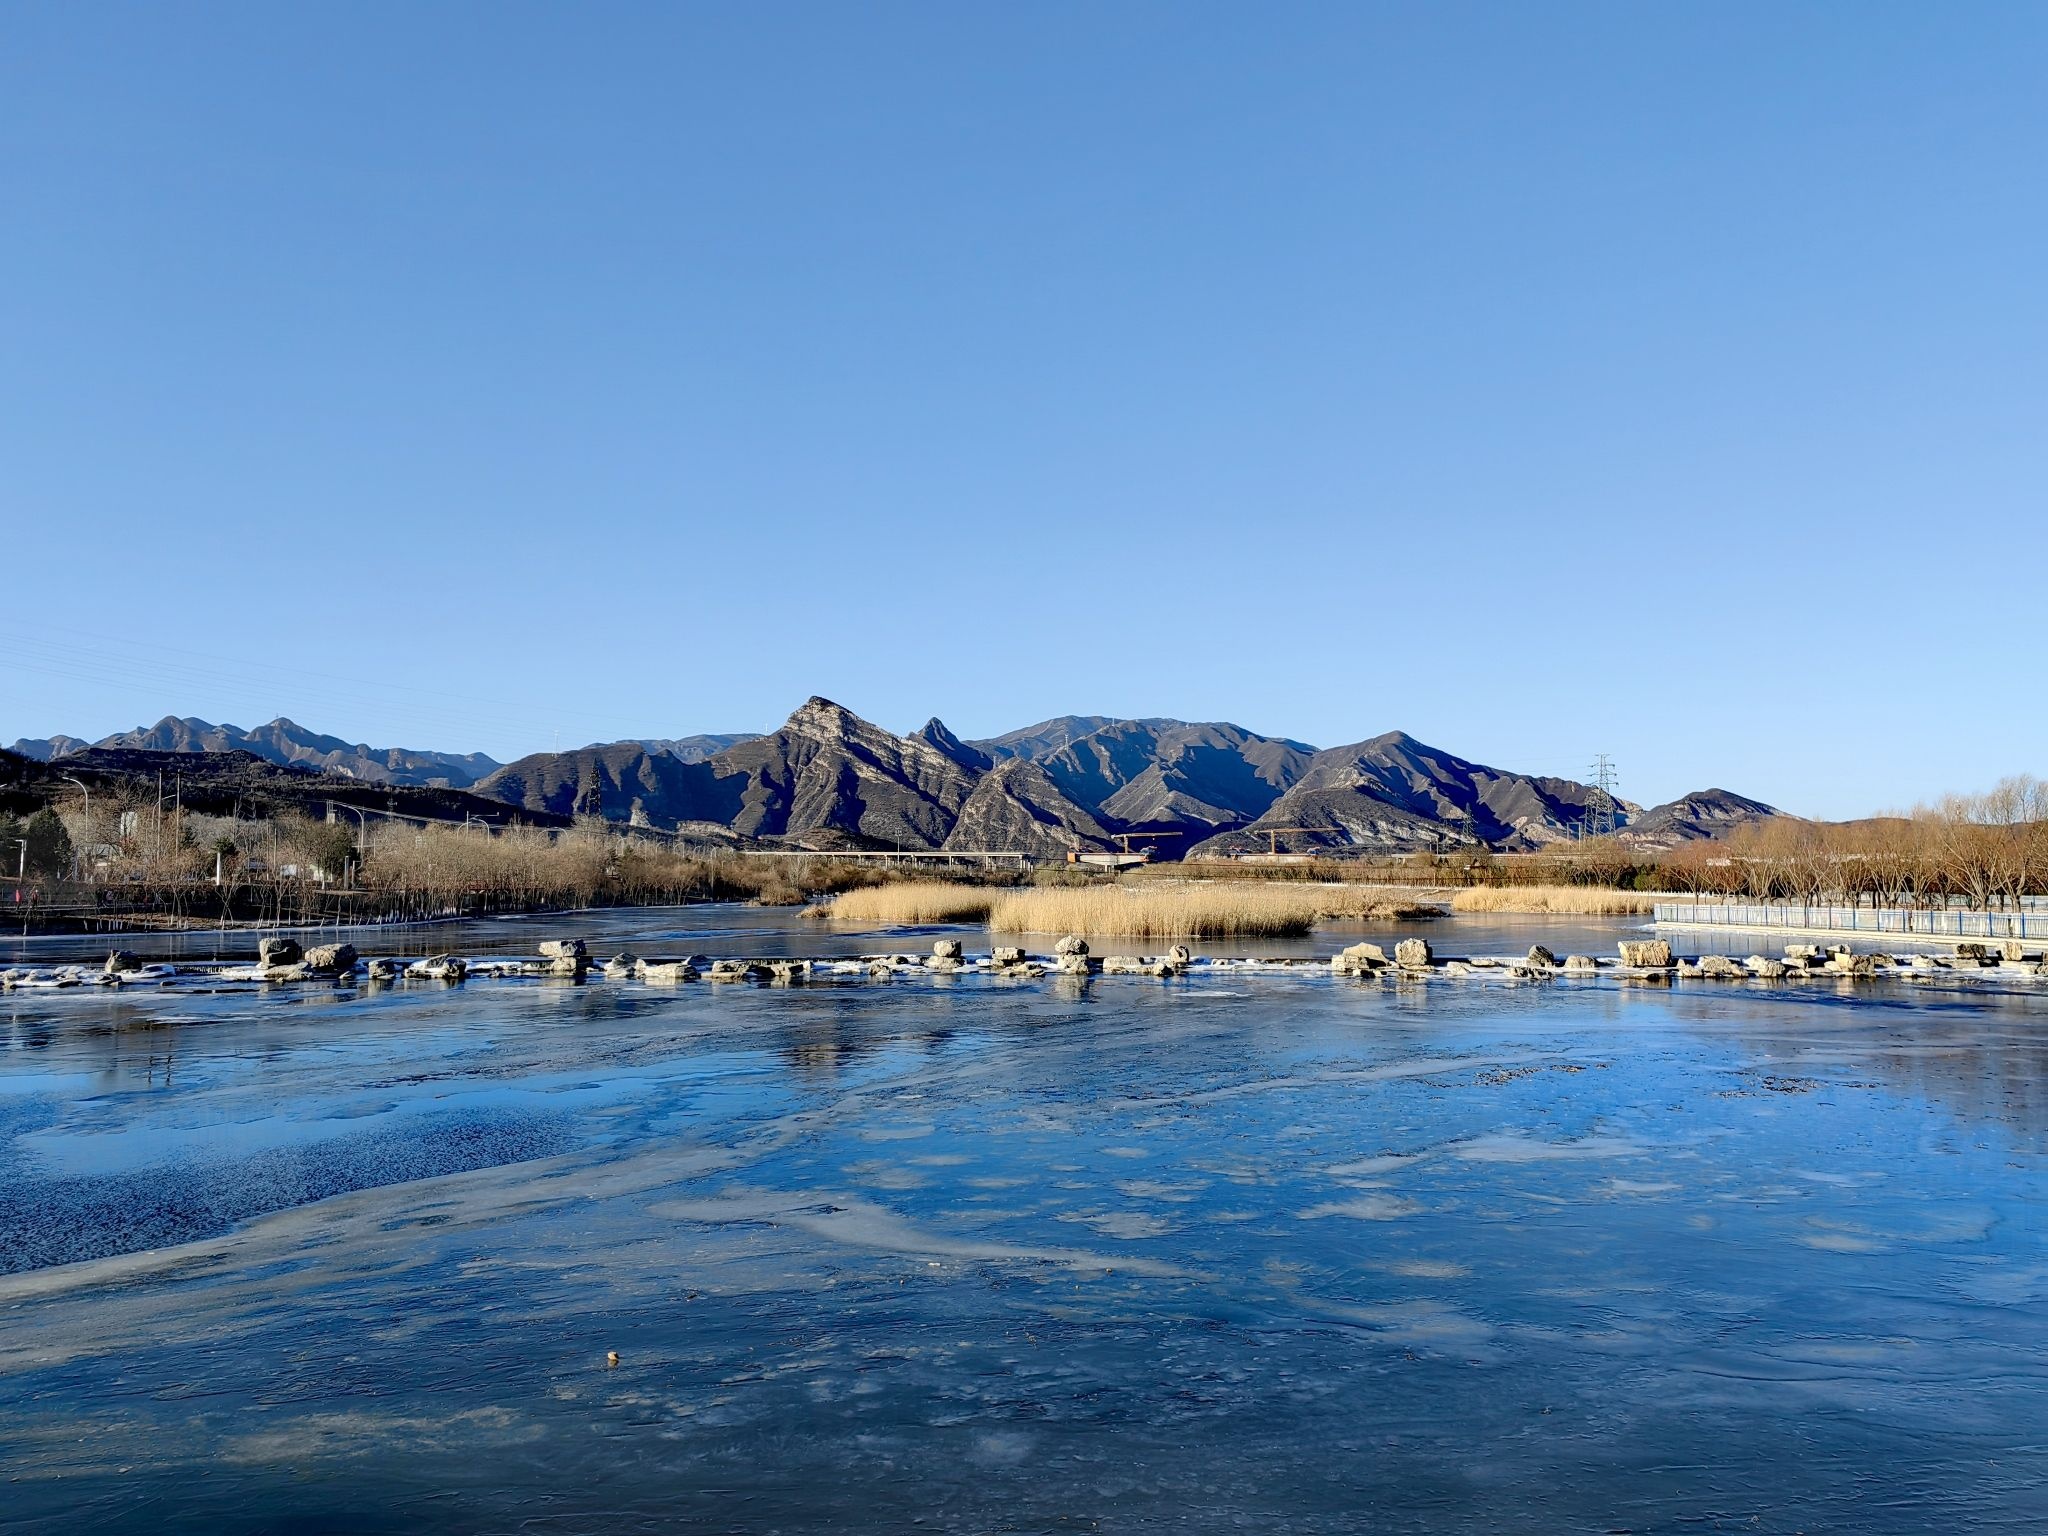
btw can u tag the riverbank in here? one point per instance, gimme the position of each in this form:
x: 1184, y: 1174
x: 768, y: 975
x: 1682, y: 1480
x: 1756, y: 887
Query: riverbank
x: 443, y: 875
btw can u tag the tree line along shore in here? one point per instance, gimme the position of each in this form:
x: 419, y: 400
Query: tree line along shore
x: 80, y: 864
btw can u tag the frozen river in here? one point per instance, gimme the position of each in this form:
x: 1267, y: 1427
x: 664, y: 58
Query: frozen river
x: 1241, y: 1252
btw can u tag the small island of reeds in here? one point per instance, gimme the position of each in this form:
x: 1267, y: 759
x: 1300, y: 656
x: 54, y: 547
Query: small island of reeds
x: 1557, y: 900
x: 1154, y: 910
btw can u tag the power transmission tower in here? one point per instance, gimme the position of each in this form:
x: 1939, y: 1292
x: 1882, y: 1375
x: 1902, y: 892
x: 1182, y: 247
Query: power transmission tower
x: 1603, y: 777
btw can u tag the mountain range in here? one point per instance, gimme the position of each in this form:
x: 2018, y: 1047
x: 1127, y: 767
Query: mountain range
x: 290, y: 744
x: 829, y: 779
x: 284, y: 742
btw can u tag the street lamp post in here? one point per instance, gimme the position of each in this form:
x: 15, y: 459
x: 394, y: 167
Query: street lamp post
x: 363, y: 822
x: 83, y: 865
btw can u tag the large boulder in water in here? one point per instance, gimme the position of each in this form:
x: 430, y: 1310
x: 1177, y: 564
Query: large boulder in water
x: 1413, y: 954
x: 278, y: 952
x: 1359, y: 960
x: 1650, y: 954
x: 331, y: 958
x: 666, y: 973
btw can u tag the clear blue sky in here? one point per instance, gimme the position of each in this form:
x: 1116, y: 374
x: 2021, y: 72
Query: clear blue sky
x: 1540, y: 379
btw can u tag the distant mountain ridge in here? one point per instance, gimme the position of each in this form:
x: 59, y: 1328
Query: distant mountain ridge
x: 829, y: 779
x: 694, y: 749
x: 1393, y: 793
x: 1048, y: 736
x: 1703, y: 813
x: 286, y: 743
x: 239, y: 782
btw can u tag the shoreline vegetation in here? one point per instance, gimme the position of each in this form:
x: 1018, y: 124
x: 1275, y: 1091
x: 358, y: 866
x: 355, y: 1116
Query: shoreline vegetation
x: 1557, y: 900
x: 303, y: 873
x: 1147, y: 910
x: 96, y: 864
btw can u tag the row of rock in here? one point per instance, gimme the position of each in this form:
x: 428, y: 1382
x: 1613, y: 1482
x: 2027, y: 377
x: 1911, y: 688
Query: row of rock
x: 1413, y: 957
x: 283, y: 960
x: 1371, y: 959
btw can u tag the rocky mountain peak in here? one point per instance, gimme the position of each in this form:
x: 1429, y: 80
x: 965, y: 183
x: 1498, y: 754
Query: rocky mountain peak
x: 820, y: 717
x: 935, y: 734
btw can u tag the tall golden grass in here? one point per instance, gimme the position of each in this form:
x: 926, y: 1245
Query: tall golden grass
x: 1563, y: 900
x: 1309, y: 871
x: 1232, y: 910
x: 910, y: 903
x: 1153, y: 910
x: 525, y: 867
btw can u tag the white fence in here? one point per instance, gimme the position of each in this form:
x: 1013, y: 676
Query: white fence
x: 1906, y: 922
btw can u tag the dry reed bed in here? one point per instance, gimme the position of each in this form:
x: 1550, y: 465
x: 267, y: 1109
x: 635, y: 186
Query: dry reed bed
x: 1562, y: 900
x: 1151, y: 911
x: 911, y: 903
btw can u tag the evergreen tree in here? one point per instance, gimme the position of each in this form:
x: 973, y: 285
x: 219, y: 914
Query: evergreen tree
x: 49, y: 845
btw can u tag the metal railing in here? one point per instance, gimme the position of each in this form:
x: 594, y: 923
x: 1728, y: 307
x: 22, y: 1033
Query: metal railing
x: 1904, y: 922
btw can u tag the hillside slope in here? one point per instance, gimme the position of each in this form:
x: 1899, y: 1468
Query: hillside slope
x: 620, y: 781
x: 1393, y: 793
x: 1701, y: 814
x: 1169, y: 774
x: 1016, y: 806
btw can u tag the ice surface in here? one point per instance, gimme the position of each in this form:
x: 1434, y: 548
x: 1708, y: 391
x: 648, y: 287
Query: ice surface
x: 1278, y: 1257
